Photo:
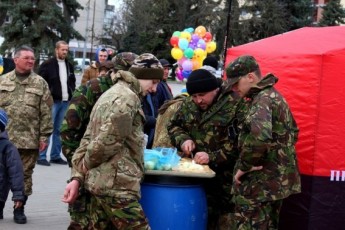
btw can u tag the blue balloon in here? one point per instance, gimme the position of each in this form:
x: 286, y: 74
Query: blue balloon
x: 189, y: 29
x: 183, y: 43
x: 186, y: 73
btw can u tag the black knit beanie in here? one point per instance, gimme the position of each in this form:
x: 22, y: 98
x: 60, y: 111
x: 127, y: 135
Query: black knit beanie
x: 147, y: 66
x: 201, y: 81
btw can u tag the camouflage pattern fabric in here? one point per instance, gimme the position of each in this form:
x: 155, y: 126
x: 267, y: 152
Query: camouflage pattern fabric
x: 209, y: 130
x: 261, y: 216
x: 167, y: 110
x: 80, y: 211
x: 240, y: 67
x: 268, y: 134
x: 112, y: 146
x: 28, y: 105
x: 117, y: 213
x: 29, y: 158
x: 78, y: 113
x: 124, y: 60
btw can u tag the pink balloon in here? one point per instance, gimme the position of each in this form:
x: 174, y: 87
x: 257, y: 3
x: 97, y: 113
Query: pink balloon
x: 180, y: 61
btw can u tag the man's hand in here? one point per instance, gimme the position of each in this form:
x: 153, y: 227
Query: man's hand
x: 71, y: 192
x: 18, y: 204
x: 240, y: 173
x: 201, y: 158
x: 188, y: 147
x: 43, y: 146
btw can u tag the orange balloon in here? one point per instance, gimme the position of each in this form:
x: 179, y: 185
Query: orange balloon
x: 196, y: 64
x: 200, y: 31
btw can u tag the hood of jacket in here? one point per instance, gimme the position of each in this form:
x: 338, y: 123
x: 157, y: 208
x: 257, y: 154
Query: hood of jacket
x: 127, y: 77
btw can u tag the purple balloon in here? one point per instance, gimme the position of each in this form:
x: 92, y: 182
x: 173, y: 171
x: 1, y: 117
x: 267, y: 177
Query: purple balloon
x: 201, y: 44
x: 192, y: 45
x: 195, y: 38
x: 187, y: 65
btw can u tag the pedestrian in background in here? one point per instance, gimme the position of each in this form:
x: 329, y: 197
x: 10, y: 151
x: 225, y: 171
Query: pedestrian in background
x: 116, y: 147
x: 92, y: 71
x: 266, y: 171
x: 26, y: 98
x: 59, y: 74
x: 11, y: 172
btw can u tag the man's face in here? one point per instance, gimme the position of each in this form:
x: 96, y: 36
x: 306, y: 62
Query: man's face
x: 61, y: 52
x: 166, y: 72
x: 204, y: 100
x: 25, y: 62
x: 102, y: 56
x: 148, y: 86
x: 243, y: 85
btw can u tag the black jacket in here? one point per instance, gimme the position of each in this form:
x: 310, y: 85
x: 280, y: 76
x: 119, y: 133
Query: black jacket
x: 11, y: 170
x: 49, y: 70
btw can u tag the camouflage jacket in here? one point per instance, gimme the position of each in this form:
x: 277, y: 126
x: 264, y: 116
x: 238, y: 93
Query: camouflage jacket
x: 112, y: 146
x: 78, y: 112
x: 28, y: 105
x: 167, y: 110
x: 268, y: 133
x: 208, y: 129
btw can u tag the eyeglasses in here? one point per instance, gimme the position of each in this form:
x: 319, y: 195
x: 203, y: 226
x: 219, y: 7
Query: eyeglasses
x: 28, y: 58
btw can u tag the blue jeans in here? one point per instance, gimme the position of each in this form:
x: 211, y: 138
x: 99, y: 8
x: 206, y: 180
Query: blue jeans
x: 59, y: 110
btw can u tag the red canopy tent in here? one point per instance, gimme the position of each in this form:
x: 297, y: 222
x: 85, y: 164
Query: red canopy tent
x: 309, y: 63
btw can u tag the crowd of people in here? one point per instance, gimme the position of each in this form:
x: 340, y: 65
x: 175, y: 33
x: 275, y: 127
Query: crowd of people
x: 242, y: 128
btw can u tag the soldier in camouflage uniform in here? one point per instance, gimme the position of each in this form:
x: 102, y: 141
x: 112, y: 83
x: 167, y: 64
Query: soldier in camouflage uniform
x: 75, y: 122
x: 26, y: 98
x: 201, y: 126
x: 109, y: 160
x: 266, y: 171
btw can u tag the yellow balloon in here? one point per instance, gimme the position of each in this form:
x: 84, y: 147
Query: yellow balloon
x: 211, y: 46
x: 1, y: 69
x: 186, y: 35
x: 198, y: 53
x: 201, y: 31
x: 176, y: 53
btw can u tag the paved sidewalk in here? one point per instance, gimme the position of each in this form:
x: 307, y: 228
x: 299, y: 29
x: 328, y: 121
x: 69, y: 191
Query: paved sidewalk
x: 44, y: 209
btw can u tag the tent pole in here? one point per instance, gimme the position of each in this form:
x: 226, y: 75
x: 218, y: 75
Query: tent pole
x: 226, y: 37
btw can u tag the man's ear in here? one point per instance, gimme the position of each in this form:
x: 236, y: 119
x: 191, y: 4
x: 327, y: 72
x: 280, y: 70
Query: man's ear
x: 252, y: 77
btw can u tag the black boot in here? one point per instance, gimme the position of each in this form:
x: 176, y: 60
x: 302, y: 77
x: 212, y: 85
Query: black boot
x: 2, y: 205
x: 19, y: 216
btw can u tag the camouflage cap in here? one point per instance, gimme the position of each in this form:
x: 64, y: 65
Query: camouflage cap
x: 240, y: 67
x: 107, y: 65
x: 147, y: 66
x: 124, y: 60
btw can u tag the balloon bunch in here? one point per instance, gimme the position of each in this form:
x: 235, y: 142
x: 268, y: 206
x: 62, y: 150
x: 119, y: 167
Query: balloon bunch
x: 190, y: 48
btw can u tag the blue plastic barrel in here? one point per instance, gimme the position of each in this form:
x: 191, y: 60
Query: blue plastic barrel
x: 174, y: 207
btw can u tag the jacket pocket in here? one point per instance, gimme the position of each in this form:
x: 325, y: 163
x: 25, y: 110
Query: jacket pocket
x: 33, y: 97
x: 6, y: 95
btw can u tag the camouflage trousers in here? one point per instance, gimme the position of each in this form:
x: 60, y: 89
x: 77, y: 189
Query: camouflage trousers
x: 259, y: 216
x: 29, y: 158
x: 109, y: 213
x: 80, y: 211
